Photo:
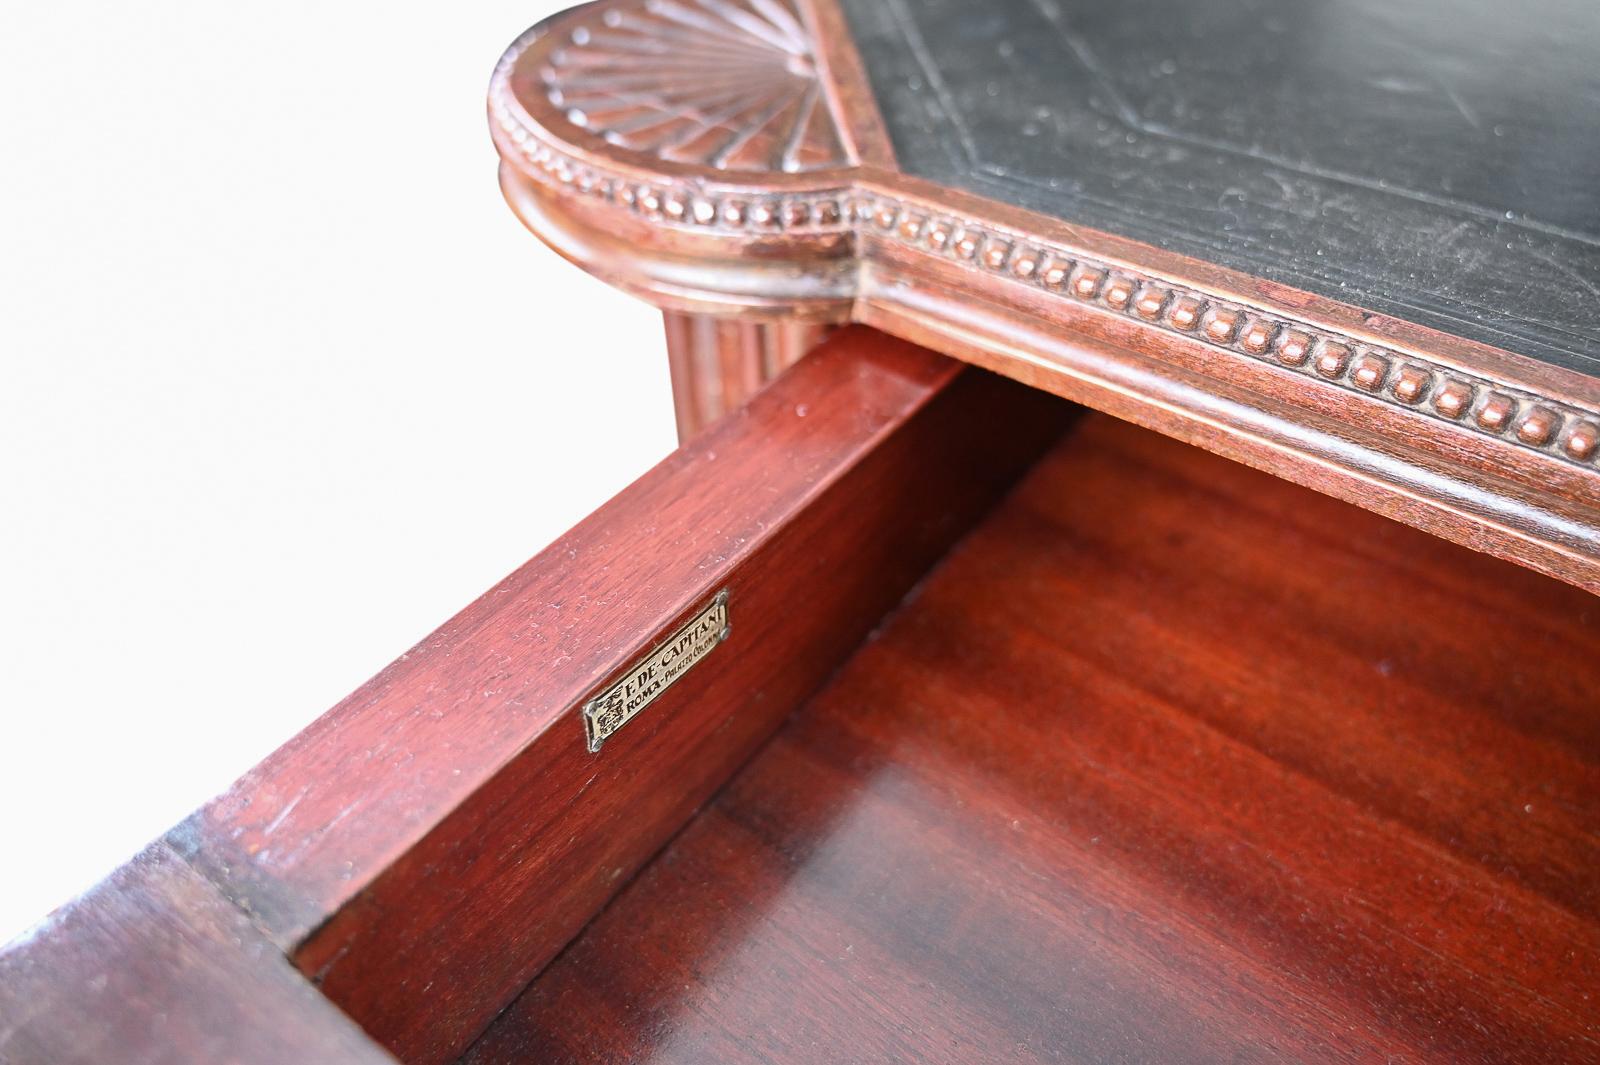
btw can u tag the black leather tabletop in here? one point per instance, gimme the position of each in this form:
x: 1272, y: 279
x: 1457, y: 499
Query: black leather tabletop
x: 1436, y: 160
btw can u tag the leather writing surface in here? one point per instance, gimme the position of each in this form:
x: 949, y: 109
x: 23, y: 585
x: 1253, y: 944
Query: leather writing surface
x: 1435, y: 160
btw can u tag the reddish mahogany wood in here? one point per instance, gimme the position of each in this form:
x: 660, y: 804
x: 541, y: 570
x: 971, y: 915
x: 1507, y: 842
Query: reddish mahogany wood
x: 719, y: 363
x: 1169, y: 762
x: 152, y: 967
x: 425, y: 847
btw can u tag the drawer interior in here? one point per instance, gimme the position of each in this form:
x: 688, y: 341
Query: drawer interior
x: 1166, y: 760
x: 1024, y: 735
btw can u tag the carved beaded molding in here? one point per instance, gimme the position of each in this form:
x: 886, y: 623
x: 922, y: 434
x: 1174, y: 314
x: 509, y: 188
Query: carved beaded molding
x: 686, y: 205
x: 1331, y: 358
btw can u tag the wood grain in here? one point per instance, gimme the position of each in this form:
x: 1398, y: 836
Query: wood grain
x: 1545, y: 516
x: 719, y: 363
x: 1168, y: 761
x: 425, y: 847
x: 154, y: 967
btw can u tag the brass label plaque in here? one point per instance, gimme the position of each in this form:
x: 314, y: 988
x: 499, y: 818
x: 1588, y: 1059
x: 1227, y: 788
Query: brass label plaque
x: 652, y: 675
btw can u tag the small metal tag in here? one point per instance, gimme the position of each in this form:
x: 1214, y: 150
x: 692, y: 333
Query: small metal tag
x: 653, y: 674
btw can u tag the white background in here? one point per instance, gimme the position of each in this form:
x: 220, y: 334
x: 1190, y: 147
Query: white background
x: 283, y: 384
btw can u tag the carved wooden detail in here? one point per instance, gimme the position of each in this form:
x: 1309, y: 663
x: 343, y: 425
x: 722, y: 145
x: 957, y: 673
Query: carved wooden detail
x: 1408, y: 381
x: 719, y: 363
x: 679, y: 112
x: 629, y: 72
x: 625, y: 146
x: 727, y: 84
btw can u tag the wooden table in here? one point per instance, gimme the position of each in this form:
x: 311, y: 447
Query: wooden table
x: 1126, y: 592
x: 1352, y: 244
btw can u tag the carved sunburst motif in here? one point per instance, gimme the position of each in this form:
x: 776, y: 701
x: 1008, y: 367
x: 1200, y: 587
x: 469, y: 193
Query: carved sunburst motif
x: 728, y: 84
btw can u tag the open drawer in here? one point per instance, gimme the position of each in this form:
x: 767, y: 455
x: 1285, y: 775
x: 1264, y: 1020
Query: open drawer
x: 906, y: 715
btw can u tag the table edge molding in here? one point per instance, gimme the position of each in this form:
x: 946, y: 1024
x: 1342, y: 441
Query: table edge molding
x: 791, y: 241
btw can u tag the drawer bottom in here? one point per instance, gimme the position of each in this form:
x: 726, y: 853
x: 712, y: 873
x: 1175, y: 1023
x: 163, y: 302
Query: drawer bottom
x: 1167, y: 760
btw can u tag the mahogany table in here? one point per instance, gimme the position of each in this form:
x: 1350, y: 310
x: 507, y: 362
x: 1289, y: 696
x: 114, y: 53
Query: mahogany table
x: 1126, y: 592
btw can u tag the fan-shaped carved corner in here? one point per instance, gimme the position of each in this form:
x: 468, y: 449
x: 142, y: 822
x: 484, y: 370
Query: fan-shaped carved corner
x: 725, y: 84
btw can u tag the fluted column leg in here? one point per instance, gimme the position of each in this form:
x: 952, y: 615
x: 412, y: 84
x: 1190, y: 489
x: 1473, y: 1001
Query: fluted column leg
x: 718, y: 363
